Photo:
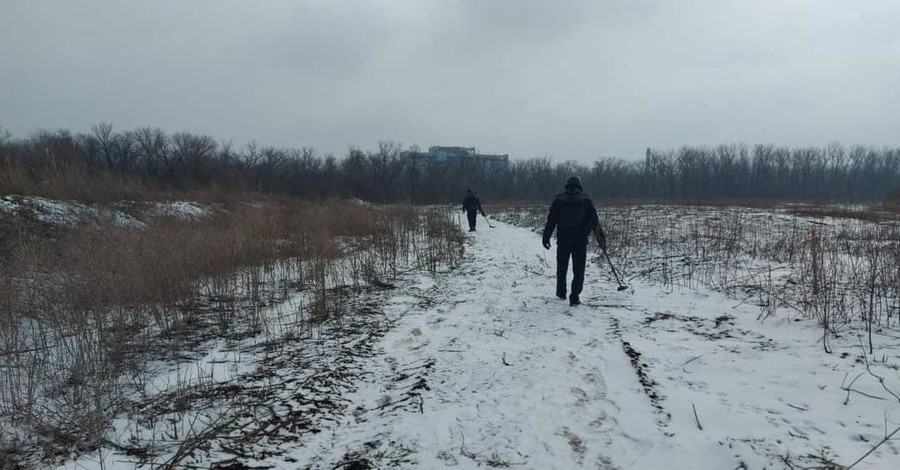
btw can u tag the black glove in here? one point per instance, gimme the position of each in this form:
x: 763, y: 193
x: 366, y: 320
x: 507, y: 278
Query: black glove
x: 546, y: 244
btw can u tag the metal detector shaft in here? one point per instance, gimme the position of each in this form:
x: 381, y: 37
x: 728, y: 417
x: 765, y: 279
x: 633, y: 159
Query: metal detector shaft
x: 618, y: 280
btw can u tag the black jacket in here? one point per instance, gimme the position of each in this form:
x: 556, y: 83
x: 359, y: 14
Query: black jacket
x: 573, y: 216
x: 471, y: 203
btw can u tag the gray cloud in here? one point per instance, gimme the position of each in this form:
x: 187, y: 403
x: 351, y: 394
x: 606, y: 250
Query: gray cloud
x: 574, y: 79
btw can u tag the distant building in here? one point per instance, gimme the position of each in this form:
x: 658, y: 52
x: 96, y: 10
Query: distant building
x: 438, y: 154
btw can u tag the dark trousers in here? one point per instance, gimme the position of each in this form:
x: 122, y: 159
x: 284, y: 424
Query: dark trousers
x: 473, y: 218
x: 577, y: 249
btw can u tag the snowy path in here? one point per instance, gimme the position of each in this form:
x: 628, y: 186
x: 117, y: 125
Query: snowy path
x: 516, y: 377
x: 568, y: 397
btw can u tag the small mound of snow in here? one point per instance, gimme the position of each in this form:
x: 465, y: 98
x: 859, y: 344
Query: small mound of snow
x: 58, y: 212
x: 181, y: 209
x: 124, y: 220
x: 61, y: 212
x: 9, y: 205
x: 360, y: 202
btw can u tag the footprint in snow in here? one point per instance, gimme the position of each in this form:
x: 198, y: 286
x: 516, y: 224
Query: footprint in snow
x: 576, y: 443
x: 581, y: 397
x: 603, y: 423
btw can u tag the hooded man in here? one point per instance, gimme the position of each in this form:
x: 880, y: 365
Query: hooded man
x: 472, y: 206
x: 574, y: 217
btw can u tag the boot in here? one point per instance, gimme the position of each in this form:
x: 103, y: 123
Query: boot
x: 561, y: 295
x: 574, y: 300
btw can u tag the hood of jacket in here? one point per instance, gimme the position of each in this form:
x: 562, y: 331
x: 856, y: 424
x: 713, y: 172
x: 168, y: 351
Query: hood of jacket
x: 573, y: 185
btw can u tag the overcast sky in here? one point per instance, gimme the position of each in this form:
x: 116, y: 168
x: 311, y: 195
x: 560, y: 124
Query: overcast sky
x: 567, y: 79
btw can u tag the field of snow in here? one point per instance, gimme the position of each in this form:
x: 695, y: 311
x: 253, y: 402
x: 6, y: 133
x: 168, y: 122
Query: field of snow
x: 483, y: 367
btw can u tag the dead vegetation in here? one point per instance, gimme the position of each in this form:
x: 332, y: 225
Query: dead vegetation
x: 82, y: 308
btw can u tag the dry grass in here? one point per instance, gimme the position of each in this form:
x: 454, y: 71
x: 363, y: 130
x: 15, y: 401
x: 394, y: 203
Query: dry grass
x: 868, y: 213
x: 67, y: 181
x: 77, y: 304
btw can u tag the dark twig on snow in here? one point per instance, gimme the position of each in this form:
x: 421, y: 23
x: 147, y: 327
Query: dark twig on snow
x: 849, y: 388
x: 799, y: 408
x: 886, y: 438
x: 785, y: 460
x: 191, y: 444
x: 504, y: 360
x: 827, y: 464
x: 879, y: 378
x: 697, y: 418
x: 692, y: 360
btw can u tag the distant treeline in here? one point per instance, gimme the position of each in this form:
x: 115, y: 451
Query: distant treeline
x: 64, y: 163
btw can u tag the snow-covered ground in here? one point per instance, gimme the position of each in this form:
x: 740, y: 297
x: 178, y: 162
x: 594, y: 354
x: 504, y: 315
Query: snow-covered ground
x: 484, y: 367
x: 70, y: 213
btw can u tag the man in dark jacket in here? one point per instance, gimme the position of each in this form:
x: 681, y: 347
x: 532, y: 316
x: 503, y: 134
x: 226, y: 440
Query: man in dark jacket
x: 472, y: 206
x: 574, y: 217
